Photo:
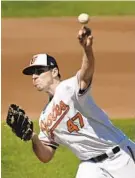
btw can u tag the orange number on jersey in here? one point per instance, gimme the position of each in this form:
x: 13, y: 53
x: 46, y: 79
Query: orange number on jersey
x: 72, y: 126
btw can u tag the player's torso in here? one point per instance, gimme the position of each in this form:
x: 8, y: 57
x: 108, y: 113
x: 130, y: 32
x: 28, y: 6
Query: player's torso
x: 84, y: 129
x: 61, y: 117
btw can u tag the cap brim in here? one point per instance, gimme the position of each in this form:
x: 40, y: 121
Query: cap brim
x: 31, y: 69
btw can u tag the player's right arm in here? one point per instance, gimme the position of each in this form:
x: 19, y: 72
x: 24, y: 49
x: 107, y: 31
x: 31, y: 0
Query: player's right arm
x: 87, y: 68
x: 43, y: 152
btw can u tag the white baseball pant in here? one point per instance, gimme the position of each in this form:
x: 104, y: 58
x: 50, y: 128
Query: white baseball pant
x: 121, y: 165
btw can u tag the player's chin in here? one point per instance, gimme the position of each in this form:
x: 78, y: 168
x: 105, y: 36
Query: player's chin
x: 39, y: 88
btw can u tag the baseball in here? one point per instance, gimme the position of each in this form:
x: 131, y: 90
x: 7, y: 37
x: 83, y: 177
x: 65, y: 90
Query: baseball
x: 83, y: 18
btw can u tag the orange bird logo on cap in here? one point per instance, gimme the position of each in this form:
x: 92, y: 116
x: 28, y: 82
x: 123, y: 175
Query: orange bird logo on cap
x: 33, y: 59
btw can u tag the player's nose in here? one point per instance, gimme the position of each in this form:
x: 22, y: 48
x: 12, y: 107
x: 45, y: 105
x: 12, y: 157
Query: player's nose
x: 34, y: 76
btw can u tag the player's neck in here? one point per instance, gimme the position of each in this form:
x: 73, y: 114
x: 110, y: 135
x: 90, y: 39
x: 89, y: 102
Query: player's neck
x: 52, y: 88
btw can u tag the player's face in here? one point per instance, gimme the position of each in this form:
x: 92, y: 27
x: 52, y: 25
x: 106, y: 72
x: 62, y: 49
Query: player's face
x: 42, y: 79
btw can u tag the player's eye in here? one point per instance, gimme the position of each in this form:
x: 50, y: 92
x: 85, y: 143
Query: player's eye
x: 40, y: 71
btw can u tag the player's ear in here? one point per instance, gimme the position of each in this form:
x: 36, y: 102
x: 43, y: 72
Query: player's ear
x: 55, y: 72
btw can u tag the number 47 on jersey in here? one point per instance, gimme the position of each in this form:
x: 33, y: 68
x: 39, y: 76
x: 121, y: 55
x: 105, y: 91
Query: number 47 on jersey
x: 72, y: 124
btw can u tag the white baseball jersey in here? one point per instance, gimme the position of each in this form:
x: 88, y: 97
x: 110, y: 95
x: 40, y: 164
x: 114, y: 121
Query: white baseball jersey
x: 74, y: 120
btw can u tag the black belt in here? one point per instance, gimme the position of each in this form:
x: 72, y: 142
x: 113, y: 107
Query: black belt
x: 105, y: 156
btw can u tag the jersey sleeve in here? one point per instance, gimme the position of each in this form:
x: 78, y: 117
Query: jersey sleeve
x: 78, y: 92
x: 43, y: 137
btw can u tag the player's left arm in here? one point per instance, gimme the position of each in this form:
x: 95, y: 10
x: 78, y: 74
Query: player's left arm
x: 87, y: 67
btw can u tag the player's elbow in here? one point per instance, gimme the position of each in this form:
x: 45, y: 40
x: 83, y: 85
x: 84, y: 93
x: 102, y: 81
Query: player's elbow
x: 45, y: 160
x: 44, y: 155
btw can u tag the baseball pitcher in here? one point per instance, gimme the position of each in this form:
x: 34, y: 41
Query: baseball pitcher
x: 72, y: 118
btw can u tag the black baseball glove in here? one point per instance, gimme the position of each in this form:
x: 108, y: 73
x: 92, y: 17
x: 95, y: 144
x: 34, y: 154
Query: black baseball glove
x: 20, y: 124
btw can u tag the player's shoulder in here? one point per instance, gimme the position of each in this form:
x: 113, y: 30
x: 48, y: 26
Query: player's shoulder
x: 66, y: 85
x: 68, y: 81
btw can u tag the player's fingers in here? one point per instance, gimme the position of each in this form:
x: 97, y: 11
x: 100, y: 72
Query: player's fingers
x: 90, y: 37
x: 90, y: 40
x: 80, y: 37
x: 83, y: 27
x: 81, y: 34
